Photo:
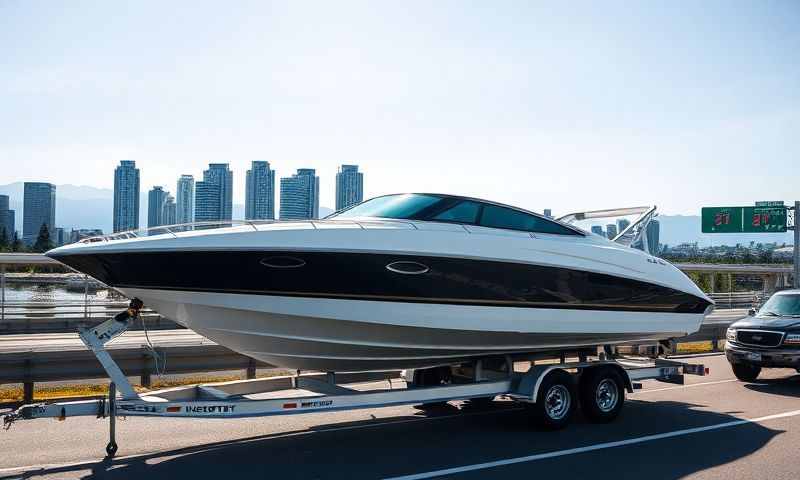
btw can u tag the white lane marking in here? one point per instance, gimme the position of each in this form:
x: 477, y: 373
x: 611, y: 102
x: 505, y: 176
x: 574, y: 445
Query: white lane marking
x: 195, y: 449
x: 591, y: 448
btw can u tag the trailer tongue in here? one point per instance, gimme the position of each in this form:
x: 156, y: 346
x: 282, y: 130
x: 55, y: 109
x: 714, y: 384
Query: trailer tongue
x: 550, y: 391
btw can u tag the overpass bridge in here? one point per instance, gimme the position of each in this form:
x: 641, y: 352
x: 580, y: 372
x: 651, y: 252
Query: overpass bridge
x: 775, y: 276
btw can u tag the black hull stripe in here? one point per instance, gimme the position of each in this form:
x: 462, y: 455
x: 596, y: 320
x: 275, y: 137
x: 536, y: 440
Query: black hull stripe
x: 364, y: 276
x: 442, y: 301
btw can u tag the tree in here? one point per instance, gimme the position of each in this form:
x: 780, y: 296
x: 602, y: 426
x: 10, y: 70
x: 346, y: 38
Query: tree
x: 16, y: 244
x: 43, y: 242
x: 3, y: 239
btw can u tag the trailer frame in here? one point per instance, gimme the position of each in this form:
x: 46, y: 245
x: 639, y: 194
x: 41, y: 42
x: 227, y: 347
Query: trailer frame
x: 485, y: 378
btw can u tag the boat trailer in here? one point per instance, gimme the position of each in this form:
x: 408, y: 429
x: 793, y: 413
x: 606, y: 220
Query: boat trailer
x: 551, y: 391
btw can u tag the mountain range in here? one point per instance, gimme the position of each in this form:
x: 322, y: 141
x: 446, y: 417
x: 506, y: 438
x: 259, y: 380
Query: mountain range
x: 79, y: 206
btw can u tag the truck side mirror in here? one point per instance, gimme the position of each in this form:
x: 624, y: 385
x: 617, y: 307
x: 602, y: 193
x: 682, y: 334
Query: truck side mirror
x: 751, y: 312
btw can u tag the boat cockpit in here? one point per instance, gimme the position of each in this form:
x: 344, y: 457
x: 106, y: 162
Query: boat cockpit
x: 454, y: 209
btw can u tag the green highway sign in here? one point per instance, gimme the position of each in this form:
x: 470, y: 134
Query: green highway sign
x: 776, y: 203
x: 721, y: 219
x: 759, y: 219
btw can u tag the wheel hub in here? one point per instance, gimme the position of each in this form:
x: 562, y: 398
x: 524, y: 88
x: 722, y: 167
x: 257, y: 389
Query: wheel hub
x: 557, y: 402
x: 607, y: 395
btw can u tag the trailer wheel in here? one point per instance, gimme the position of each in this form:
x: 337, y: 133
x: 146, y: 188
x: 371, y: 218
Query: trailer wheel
x: 602, y: 394
x: 555, y: 401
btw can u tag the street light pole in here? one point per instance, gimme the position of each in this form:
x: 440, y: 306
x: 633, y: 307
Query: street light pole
x: 796, y: 246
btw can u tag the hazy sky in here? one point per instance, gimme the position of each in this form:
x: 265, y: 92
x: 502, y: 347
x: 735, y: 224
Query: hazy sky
x: 566, y: 105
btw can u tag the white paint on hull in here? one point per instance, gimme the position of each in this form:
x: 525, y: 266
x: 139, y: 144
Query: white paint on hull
x: 335, y: 334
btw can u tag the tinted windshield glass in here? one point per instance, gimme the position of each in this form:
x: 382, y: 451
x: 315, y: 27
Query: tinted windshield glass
x: 391, y: 206
x: 781, y: 305
x: 501, y: 217
x: 443, y: 208
x: 462, y: 212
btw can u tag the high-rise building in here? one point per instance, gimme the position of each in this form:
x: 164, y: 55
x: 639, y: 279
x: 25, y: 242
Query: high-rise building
x: 206, y: 202
x: 6, y: 218
x: 548, y: 213
x: 126, y: 196
x: 59, y: 237
x: 611, y: 230
x: 220, y: 175
x: 300, y: 195
x: 597, y: 230
x: 39, y: 208
x: 156, y: 200
x: 170, y: 214
x: 185, y: 200
x: 653, y: 233
x: 349, y: 186
x: 622, y: 224
x: 259, y: 203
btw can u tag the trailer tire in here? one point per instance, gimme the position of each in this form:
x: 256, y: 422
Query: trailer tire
x: 556, y: 401
x: 602, y: 394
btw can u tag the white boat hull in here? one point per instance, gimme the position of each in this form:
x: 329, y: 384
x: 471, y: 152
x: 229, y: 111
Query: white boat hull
x: 360, y: 335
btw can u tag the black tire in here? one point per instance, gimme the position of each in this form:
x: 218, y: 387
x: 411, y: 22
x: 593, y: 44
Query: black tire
x: 556, y: 401
x: 602, y: 394
x: 746, y: 372
x: 111, y: 449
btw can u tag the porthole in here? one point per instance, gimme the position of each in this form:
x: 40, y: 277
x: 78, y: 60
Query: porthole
x: 408, y: 268
x: 283, y: 262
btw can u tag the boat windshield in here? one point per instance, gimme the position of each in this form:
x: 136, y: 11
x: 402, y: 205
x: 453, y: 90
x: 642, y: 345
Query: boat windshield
x: 443, y: 208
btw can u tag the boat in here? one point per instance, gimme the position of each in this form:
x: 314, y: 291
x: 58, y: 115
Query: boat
x: 402, y: 281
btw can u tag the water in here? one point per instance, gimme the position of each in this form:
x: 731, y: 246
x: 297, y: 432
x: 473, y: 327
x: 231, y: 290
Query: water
x: 27, y: 293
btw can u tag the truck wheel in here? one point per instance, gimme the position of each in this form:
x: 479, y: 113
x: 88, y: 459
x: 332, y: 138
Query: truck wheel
x: 745, y: 372
x: 602, y: 394
x: 555, y: 401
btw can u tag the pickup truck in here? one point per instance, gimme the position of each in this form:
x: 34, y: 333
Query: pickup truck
x: 766, y: 338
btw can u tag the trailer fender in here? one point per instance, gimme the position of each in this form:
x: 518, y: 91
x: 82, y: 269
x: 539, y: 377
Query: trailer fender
x: 623, y: 373
x: 528, y: 386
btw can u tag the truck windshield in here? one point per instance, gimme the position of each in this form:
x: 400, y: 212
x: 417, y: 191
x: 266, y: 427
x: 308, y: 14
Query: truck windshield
x: 783, y: 305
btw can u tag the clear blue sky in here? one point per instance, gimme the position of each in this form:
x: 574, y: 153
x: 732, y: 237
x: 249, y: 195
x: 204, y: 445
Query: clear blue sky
x: 566, y: 105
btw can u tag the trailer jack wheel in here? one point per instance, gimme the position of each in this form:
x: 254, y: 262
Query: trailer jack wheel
x: 111, y: 449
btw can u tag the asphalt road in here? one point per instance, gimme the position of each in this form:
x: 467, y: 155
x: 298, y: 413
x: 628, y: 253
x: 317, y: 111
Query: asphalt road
x: 712, y: 428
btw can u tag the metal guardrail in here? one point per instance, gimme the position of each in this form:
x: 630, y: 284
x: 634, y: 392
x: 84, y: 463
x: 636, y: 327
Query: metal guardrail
x: 47, y: 366
x: 30, y: 323
x: 736, y: 299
